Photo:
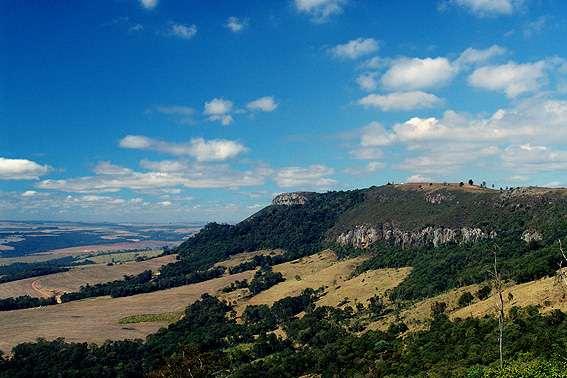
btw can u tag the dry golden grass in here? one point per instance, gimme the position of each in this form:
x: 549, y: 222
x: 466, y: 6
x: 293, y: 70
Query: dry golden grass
x: 97, y: 319
x: 323, y: 270
x: 545, y: 293
x: 416, y: 315
x: 364, y: 286
x: 46, y: 286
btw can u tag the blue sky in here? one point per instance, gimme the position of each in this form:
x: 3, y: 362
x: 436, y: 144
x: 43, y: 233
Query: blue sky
x: 162, y: 110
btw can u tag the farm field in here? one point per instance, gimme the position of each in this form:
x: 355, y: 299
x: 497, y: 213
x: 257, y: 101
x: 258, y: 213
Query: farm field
x: 72, y: 280
x: 98, y: 319
x: 86, y: 250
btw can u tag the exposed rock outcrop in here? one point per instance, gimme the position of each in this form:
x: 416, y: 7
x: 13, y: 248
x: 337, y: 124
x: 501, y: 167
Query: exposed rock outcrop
x: 288, y: 199
x: 363, y: 236
x: 531, y: 236
x: 436, y: 198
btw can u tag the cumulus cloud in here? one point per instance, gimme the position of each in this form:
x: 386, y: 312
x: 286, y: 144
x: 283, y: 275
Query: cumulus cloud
x: 512, y: 78
x: 312, y: 176
x: 159, y: 175
x: 373, y: 63
x: 29, y: 193
x: 21, y: 169
x: 219, y: 109
x: 400, y: 101
x: 406, y: 74
x: 367, y: 81
x: 355, y: 49
x: 418, y: 179
x: 473, y: 56
x: 484, y: 8
x: 320, y: 10
x: 263, y: 104
x: 374, y: 134
x: 198, y: 148
x: 236, y: 25
x: 149, y: 4
x: 182, y: 31
x: 521, y: 138
x: 528, y: 158
x: 417, y: 73
x: 449, y: 159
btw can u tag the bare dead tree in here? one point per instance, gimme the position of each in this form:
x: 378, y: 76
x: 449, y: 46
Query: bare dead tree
x: 500, y: 307
x: 562, y: 262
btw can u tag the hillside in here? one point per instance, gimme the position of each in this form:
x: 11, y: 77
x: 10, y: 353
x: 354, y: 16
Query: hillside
x: 438, y: 229
x: 385, y: 281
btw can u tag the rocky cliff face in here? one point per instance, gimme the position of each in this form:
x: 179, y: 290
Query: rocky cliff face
x: 288, y: 199
x: 363, y: 236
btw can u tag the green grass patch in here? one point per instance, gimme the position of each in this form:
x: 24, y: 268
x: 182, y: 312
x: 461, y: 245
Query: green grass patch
x: 169, y: 317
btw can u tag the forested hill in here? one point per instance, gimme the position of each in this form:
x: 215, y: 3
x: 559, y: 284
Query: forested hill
x: 406, y: 216
x: 446, y: 232
x: 299, y: 229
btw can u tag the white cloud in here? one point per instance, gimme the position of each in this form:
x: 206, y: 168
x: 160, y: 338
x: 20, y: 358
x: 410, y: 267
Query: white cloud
x: 320, y: 10
x: 236, y: 25
x: 370, y: 167
x: 149, y: 4
x: 485, y: 8
x: 29, y: 193
x: 450, y: 158
x: 161, y: 175
x: 367, y: 81
x: 312, y: 176
x: 512, y: 78
x: 198, y: 148
x: 215, y: 149
x: 528, y: 137
x: 264, y: 104
x: 366, y: 153
x: 400, y: 101
x: 136, y: 142
x: 374, y: 135
x: 219, y: 109
x: 527, y: 158
x: 416, y: 73
x: 21, y: 169
x: 373, y: 63
x: 355, y: 49
x: 473, y: 56
x: 183, y: 31
x: 418, y: 179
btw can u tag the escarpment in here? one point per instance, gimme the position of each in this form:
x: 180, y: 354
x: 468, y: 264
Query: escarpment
x: 364, y: 236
